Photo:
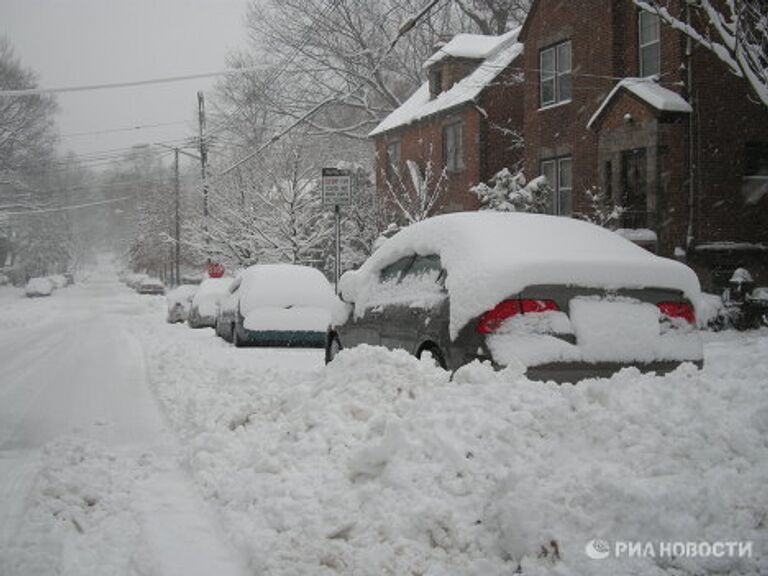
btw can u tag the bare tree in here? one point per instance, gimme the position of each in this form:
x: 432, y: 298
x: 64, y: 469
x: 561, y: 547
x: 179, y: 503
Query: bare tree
x: 495, y: 16
x: 27, y: 133
x: 734, y: 30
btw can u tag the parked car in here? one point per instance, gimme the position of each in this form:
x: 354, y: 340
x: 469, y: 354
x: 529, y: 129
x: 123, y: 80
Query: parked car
x: 134, y: 279
x: 205, y: 303
x: 179, y: 302
x: 39, y: 287
x: 279, y: 305
x: 58, y: 281
x: 565, y: 298
x: 151, y: 286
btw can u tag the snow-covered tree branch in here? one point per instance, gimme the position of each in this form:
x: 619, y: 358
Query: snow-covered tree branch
x: 734, y: 30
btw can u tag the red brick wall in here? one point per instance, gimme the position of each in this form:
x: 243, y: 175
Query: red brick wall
x: 423, y: 142
x: 727, y: 116
x: 503, y: 105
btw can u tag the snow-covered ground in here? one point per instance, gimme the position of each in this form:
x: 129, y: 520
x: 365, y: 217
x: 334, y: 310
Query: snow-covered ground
x: 129, y: 446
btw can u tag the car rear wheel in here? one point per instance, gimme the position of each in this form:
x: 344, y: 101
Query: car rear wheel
x: 430, y: 350
x: 332, y: 346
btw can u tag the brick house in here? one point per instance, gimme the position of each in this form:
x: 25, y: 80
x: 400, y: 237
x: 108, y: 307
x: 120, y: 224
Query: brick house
x: 457, y: 129
x: 680, y: 153
x: 613, y: 100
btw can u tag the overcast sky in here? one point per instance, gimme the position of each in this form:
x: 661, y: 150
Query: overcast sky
x: 80, y: 42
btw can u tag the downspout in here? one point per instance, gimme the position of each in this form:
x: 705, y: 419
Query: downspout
x: 691, y: 129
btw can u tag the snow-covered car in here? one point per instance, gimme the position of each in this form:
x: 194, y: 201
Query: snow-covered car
x: 179, y: 302
x: 565, y: 298
x: 205, y: 303
x: 151, y: 286
x: 134, y: 279
x: 58, y: 281
x: 279, y: 305
x: 38, y: 287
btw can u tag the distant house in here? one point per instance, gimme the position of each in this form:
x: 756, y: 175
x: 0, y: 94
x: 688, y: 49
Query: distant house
x: 617, y: 101
x: 458, y: 129
x: 612, y: 100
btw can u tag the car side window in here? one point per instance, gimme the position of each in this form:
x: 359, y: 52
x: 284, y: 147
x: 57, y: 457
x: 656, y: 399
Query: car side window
x: 427, y: 269
x: 393, y: 273
x: 413, y: 282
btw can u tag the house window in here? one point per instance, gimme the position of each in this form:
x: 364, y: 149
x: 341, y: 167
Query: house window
x: 650, y: 45
x: 555, y: 74
x: 435, y: 82
x: 756, y: 160
x: 558, y: 174
x: 393, y: 161
x: 453, y: 148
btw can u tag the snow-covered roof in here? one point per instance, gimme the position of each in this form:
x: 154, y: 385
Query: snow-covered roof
x: 504, y: 50
x: 491, y: 255
x: 660, y: 98
x: 474, y: 46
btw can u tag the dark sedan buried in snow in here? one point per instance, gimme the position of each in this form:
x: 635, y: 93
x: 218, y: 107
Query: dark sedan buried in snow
x: 564, y: 298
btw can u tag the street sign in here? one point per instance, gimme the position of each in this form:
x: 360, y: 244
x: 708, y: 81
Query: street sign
x: 337, y: 187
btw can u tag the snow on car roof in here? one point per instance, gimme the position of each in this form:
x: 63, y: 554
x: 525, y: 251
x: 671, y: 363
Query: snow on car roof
x: 284, y: 285
x: 490, y: 255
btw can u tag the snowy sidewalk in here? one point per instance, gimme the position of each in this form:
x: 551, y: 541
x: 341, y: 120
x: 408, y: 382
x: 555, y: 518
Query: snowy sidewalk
x: 89, y: 474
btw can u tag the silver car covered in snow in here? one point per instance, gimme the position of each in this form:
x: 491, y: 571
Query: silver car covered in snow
x: 563, y: 298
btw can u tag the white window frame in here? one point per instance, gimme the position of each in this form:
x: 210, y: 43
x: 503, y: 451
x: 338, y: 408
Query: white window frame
x: 642, y: 47
x: 560, y: 206
x: 560, y: 70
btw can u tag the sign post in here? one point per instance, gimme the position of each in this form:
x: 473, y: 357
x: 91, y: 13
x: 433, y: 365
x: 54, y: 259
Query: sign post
x: 337, y: 192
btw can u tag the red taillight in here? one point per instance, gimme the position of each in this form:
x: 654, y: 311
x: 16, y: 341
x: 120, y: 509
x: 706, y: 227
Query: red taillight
x: 493, y: 319
x: 682, y: 310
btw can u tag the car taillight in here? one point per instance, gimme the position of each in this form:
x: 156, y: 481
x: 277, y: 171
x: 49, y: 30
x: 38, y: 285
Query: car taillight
x: 682, y: 310
x: 493, y: 319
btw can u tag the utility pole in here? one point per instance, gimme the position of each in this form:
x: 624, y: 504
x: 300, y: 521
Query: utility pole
x: 176, y: 209
x: 203, y: 166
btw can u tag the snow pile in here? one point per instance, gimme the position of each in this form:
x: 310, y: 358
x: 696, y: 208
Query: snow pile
x: 58, y: 281
x: 490, y: 256
x: 79, y: 521
x: 208, y: 295
x: 380, y: 464
x: 287, y: 297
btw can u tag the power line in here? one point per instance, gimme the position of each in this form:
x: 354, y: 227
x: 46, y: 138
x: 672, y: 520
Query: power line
x: 109, y: 86
x: 124, y: 129
x: 67, y: 208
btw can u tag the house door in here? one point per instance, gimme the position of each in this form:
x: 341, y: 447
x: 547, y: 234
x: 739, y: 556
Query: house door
x: 634, y: 182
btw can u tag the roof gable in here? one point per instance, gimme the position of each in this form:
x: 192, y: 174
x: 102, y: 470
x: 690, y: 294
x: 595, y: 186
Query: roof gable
x: 420, y: 106
x: 649, y: 92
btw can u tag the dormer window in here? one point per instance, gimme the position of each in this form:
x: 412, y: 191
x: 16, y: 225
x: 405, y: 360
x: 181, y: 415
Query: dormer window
x: 435, y: 81
x: 650, y: 44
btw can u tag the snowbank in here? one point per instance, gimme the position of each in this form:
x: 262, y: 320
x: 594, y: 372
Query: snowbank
x: 490, y: 256
x: 380, y: 464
